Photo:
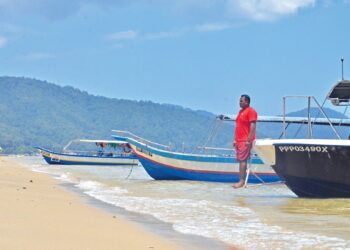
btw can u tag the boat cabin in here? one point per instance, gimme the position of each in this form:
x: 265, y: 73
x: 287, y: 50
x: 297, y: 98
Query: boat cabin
x: 340, y: 93
x: 107, y: 148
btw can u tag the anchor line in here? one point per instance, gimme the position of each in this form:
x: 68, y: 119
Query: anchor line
x: 127, y: 177
x: 249, y: 171
x: 213, y: 131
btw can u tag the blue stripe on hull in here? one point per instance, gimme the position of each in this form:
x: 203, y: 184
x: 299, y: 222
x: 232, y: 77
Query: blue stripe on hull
x: 161, y: 172
x: 62, y: 162
x: 184, y: 156
x: 132, y: 156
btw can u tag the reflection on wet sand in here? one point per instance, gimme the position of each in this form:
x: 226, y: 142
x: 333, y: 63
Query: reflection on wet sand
x: 318, y: 206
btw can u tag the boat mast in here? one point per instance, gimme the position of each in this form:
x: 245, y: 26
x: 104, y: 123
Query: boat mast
x: 342, y: 68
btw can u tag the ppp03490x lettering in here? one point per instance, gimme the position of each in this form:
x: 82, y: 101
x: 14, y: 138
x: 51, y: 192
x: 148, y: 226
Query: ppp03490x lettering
x: 318, y: 149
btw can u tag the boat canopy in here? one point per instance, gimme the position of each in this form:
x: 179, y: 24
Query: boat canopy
x: 103, y: 143
x: 340, y: 93
x: 114, y: 142
x: 294, y: 120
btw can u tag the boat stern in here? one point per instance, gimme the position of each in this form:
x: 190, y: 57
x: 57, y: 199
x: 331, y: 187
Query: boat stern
x: 266, y: 151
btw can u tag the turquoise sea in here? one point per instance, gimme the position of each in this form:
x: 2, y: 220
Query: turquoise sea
x: 256, y: 217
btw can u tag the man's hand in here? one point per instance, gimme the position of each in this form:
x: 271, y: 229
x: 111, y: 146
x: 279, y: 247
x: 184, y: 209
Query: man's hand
x: 234, y: 144
x: 248, y: 142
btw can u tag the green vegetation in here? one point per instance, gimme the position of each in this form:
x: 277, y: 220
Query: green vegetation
x: 38, y: 113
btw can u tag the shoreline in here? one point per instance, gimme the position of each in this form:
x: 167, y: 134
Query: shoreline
x: 152, y: 224
x: 146, y: 226
x: 37, y: 213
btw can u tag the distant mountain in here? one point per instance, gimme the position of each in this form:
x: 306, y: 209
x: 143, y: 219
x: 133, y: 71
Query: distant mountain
x: 315, y: 112
x: 38, y: 113
x: 300, y: 131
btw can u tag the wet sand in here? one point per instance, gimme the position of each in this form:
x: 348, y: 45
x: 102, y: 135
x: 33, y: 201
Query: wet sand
x: 36, y: 213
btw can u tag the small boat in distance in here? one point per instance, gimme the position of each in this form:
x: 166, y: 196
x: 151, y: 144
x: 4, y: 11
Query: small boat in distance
x: 162, y: 164
x: 91, y: 152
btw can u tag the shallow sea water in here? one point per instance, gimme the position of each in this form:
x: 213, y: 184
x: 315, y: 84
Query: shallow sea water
x: 257, y: 217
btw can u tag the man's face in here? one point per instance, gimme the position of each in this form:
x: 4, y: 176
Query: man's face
x: 243, y: 103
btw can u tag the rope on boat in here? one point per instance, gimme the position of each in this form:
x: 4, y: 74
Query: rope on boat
x: 215, y: 129
x: 299, y: 129
x: 249, y: 171
x: 346, y: 109
x: 132, y: 168
x: 212, y: 128
x: 205, y: 140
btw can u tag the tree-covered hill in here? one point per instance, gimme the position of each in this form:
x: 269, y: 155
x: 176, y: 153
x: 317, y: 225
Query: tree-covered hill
x: 38, y: 113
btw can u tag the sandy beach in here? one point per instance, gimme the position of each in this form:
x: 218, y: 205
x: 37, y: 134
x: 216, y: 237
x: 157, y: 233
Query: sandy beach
x: 36, y: 213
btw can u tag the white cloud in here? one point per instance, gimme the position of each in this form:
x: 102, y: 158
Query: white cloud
x: 209, y: 27
x: 3, y: 41
x: 184, y: 5
x: 163, y: 34
x: 263, y: 10
x: 252, y: 9
x: 123, y: 35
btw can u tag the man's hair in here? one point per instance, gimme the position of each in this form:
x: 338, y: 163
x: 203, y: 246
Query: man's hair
x: 246, y: 97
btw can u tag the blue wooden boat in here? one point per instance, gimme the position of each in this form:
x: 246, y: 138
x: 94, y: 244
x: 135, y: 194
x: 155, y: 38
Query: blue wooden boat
x: 108, y: 152
x: 163, y: 164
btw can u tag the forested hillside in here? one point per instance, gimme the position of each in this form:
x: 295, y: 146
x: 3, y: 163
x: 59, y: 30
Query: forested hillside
x: 38, y: 113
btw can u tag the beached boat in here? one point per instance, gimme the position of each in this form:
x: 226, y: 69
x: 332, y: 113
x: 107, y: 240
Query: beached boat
x: 163, y: 164
x: 315, y: 168
x: 106, y: 152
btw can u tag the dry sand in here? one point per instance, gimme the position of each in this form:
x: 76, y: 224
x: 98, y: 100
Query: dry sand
x: 36, y: 213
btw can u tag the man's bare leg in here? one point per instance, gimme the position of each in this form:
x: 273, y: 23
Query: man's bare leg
x: 242, y: 174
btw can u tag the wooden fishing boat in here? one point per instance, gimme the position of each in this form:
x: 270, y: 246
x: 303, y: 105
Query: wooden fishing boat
x: 163, y: 164
x: 107, y: 152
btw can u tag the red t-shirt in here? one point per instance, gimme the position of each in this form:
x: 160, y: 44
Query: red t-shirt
x: 243, y: 120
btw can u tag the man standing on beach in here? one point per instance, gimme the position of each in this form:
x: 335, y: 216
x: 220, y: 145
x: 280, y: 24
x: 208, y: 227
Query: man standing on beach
x: 244, y: 136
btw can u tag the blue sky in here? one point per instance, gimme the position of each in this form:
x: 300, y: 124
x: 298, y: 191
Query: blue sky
x: 200, y: 54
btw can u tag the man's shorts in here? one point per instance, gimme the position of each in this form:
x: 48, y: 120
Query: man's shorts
x: 243, y: 151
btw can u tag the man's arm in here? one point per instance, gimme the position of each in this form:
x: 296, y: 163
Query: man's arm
x: 251, y: 131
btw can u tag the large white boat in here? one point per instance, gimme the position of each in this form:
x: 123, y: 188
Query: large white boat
x: 315, y: 168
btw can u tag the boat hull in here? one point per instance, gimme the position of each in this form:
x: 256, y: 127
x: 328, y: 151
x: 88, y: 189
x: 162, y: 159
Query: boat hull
x: 312, y: 168
x: 69, y: 159
x: 166, y: 165
x: 162, y: 171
